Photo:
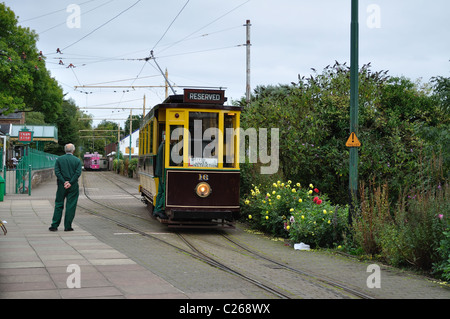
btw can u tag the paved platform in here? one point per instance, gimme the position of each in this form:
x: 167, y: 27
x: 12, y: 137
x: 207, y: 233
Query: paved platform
x: 37, y: 263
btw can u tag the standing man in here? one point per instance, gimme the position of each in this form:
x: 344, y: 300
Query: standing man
x: 67, y: 171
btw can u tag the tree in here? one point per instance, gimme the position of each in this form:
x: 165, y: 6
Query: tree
x: 136, y: 122
x: 69, y: 125
x: 26, y: 84
x: 313, y: 118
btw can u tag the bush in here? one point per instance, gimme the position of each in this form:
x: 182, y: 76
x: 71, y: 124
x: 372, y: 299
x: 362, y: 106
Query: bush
x: 132, y: 167
x: 414, y: 234
x: 442, y: 268
x: 301, y: 214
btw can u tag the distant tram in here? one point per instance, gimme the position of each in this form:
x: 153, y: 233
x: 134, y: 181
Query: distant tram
x: 188, y: 160
x: 94, y: 162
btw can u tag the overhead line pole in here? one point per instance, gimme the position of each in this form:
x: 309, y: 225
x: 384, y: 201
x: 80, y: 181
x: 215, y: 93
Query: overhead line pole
x: 354, y: 93
x: 248, y: 45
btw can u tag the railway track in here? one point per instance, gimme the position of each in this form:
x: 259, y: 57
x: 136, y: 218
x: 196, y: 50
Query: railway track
x: 191, y: 245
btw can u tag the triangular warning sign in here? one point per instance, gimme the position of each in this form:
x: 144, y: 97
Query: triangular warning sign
x: 353, y: 141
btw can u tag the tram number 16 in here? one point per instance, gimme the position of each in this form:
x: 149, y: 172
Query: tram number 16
x: 203, y: 177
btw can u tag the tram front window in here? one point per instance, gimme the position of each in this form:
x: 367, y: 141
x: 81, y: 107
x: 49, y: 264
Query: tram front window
x: 176, y: 145
x: 203, y: 145
x: 230, y: 141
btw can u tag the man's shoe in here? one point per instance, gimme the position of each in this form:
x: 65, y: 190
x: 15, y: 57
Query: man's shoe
x: 53, y: 229
x: 68, y: 229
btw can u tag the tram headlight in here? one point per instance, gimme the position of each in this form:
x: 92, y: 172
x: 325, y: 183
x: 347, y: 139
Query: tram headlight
x: 203, y: 189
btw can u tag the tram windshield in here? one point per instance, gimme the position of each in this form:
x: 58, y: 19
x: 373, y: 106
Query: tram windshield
x: 207, y: 139
x: 203, y: 145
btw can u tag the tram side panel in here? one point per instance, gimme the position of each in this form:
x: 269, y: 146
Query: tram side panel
x: 148, y: 182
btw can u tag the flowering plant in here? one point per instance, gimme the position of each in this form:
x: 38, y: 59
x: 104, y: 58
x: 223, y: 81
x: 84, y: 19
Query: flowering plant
x: 295, y: 212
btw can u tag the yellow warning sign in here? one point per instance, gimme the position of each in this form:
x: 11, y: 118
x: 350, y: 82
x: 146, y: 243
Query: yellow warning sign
x: 353, y: 141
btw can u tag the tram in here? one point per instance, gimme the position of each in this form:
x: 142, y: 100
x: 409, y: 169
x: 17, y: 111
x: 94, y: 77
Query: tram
x: 189, y: 160
x: 91, y: 161
x: 94, y: 162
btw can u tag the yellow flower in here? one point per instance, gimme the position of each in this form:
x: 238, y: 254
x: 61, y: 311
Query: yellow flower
x: 298, y: 184
x: 274, y: 192
x: 267, y: 212
x: 288, y: 227
x: 249, y: 216
x: 275, y: 185
x: 247, y: 202
x: 311, y: 185
x: 282, y: 184
x: 289, y: 181
x: 278, y: 182
x: 303, y: 217
x: 278, y: 196
x: 310, y: 192
x: 300, y: 200
x: 267, y: 217
x: 268, y: 195
x: 324, y: 211
x: 291, y: 210
x: 264, y: 201
x: 339, y: 247
x: 294, y: 190
x: 329, y: 222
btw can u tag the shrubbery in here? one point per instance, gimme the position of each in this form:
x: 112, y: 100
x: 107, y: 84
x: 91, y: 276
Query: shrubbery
x: 403, y: 211
x: 302, y: 214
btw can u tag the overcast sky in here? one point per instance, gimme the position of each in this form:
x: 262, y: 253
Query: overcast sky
x: 201, y: 43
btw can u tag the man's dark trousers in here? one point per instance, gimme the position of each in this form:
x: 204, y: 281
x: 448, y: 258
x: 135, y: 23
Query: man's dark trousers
x: 67, y: 169
x: 71, y: 194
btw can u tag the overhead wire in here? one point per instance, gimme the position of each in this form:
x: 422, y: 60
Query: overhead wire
x: 56, y: 11
x: 65, y: 22
x: 205, y: 26
x: 170, y: 25
x: 102, y: 25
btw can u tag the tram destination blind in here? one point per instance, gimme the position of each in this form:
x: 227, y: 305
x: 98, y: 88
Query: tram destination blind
x: 204, y: 96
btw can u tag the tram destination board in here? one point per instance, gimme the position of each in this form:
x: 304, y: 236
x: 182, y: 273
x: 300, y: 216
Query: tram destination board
x: 204, y: 96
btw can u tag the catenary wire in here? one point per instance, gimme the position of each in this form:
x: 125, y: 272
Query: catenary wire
x: 102, y: 25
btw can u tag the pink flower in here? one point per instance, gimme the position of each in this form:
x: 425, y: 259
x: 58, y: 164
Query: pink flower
x: 315, y: 199
x: 319, y: 201
x: 316, y: 190
x: 441, y: 216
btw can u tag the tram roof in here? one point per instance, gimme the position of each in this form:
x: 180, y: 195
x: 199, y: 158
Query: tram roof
x: 181, y: 101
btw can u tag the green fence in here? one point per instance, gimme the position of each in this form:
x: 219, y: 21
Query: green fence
x: 21, y: 175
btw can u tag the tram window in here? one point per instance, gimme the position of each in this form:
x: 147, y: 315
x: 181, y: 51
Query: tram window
x: 203, y: 144
x: 151, y: 149
x: 229, y: 141
x: 176, y: 145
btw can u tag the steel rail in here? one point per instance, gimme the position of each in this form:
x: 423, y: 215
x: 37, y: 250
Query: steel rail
x: 198, y: 255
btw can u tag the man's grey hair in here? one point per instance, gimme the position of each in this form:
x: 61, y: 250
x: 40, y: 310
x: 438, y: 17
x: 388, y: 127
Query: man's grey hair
x: 69, y: 148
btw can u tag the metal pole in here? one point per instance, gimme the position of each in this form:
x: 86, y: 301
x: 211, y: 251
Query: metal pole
x: 167, y: 81
x: 354, y: 90
x: 131, y: 129
x: 248, y: 44
x: 29, y: 180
